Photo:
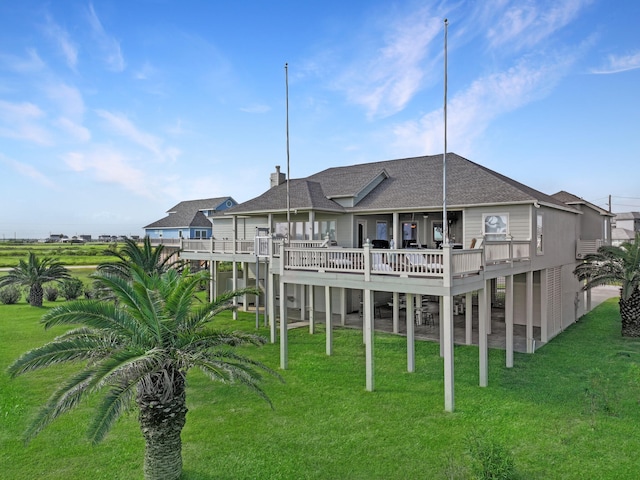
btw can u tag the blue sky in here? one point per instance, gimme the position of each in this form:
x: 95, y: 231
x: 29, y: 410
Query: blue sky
x: 111, y: 112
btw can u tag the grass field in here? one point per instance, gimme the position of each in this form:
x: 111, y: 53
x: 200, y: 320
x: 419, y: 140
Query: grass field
x: 67, y: 253
x: 570, y: 411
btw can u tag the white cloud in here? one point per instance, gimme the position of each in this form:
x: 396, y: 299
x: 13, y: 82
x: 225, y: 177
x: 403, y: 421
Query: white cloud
x: 619, y: 63
x: 524, y: 23
x: 67, y: 98
x: 471, y: 111
x: 73, y: 129
x: 111, y: 166
x: 123, y: 126
x: 32, y: 63
x: 394, y: 70
x: 28, y: 171
x: 21, y: 121
x: 61, y: 38
x: 108, y: 44
x: 256, y: 108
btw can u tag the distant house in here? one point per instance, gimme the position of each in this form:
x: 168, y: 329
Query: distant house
x: 189, y: 219
x: 626, y: 226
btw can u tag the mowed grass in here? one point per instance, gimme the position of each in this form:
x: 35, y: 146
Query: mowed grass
x: 570, y: 411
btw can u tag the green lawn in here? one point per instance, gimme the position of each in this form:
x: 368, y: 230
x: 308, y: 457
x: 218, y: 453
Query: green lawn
x: 570, y: 411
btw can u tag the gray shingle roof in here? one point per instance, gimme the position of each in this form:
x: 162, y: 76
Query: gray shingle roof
x: 189, y: 213
x: 571, y: 199
x: 200, y: 204
x: 412, y: 183
x: 182, y: 219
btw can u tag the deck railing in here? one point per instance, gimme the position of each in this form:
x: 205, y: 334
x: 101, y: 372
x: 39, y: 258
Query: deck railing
x: 425, y: 263
x: 506, y: 252
x: 313, y: 255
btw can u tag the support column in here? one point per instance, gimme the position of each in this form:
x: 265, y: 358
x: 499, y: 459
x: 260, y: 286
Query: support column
x: 396, y: 312
x: 447, y: 346
x: 448, y: 332
x: 411, y: 341
x: 468, y: 318
x: 343, y: 306
x: 367, y: 302
x: 272, y: 305
x: 212, y: 279
x: 529, y: 312
x: 245, y: 278
x: 441, y: 325
x: 234, y: 288
x: 508, y: 318
x: 411, y: 344
x: 329, y: 327
x: 483, y: 346
x: 284, y: 340
x: 312, y: 309
x: 544, y: 307
x: 303, y: 303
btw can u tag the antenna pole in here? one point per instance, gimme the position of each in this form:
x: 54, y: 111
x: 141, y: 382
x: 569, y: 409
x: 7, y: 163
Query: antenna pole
x: 286, y: 81
x: 445, y: 223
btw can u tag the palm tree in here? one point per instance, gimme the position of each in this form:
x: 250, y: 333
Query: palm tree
x: 34, y: 273
x: 150, y: 259
x: 619, y: 265
x: 136, y: 353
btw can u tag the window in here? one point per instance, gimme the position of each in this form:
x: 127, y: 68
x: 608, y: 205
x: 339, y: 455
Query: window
x: 539, y: 234
x: 302, y: 230
x: 409, y: 233
x: 495, y: 226
x: 381, y: 231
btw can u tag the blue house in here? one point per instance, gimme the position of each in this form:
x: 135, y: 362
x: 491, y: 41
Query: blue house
x: 189, y: 219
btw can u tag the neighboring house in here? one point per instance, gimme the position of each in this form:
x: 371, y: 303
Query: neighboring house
x: 189, y: 219
x: 506, y: 239
x: 626, y: 226
x: 594, y: 223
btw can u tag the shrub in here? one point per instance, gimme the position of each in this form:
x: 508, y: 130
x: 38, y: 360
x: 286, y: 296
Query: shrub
x: 51, y: 294
x: 71, y: 288
x: 10, y: 295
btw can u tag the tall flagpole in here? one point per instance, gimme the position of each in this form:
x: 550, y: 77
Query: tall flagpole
x: 445, y: 223
x: 286, y: 80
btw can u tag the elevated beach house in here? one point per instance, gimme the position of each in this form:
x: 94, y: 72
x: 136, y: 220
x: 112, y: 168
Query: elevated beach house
x: 189, y: 220
x: 366, y: 242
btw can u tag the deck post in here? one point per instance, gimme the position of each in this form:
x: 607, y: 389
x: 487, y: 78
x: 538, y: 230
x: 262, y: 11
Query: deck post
x: 508, y: 311
x: 447, y: 330
x: 441, y: 325
x: 303, y: 304
x: 271, y: 299
x: 544, y: 306
x: 234, y: 288
x: 367, y: 302
x: 329, y: 327
x: 212, y: 279
x: 343, y: 306
x: 312, y: 309
x: 529, y: 311
x: 284, y: 354
x: 468, y: 318
x: 396, y: 312
x: 411, y: 344
x: 483, y: 347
